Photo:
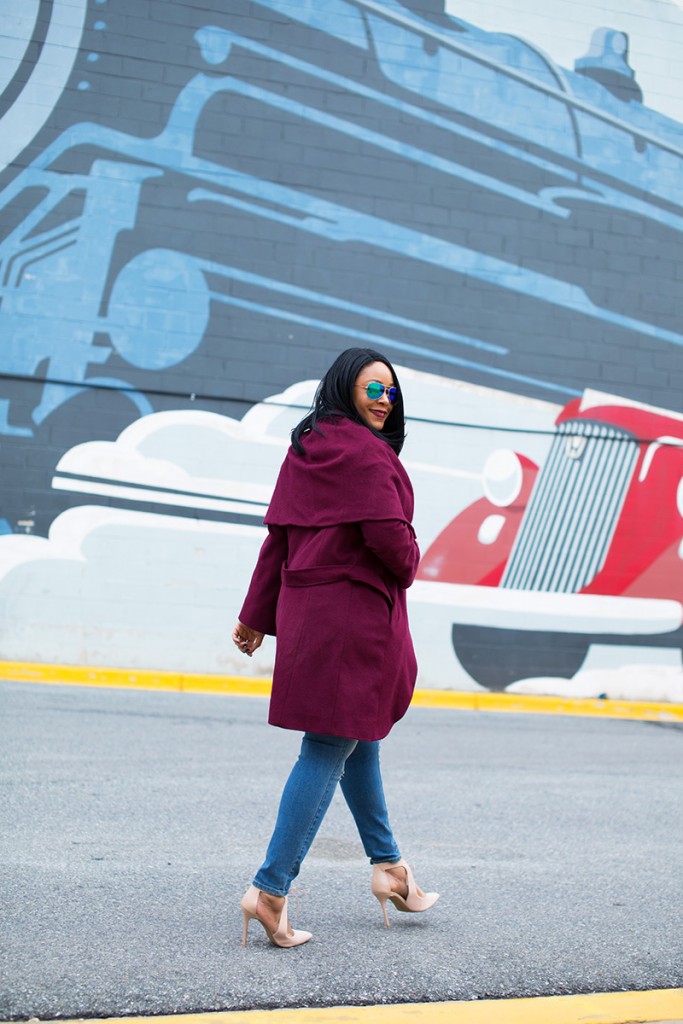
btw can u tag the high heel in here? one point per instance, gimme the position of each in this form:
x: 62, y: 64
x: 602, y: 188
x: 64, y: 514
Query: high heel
x: 281, y: 936
x: 413, y: 903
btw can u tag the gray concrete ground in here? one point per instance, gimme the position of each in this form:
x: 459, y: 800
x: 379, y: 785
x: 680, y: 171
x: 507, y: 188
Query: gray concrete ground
x: 132, y: 822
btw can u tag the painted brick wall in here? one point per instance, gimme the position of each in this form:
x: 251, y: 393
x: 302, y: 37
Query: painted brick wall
x: 201, y: 204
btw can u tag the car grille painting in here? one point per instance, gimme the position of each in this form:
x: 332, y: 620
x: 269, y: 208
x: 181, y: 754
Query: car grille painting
x: 574, y: 510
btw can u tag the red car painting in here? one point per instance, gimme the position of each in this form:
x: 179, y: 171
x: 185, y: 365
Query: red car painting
x: 602, y: 518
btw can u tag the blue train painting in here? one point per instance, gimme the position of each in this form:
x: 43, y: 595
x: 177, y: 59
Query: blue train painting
x: 351, y: 172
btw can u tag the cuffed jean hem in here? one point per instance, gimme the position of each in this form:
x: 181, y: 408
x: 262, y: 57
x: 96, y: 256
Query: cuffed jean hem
x: 265, y: 888
x: 272, y: 892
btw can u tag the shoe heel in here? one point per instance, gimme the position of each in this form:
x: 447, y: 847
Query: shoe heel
x: 247, y: 918
x: 248, y: 906
x: 382, y: 898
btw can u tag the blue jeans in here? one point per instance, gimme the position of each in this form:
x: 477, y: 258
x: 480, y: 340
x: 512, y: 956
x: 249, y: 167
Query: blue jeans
x: 323, y: 762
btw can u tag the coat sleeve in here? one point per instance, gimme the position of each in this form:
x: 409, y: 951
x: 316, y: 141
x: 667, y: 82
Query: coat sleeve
x: 258, y: 610
x: 394, y: 543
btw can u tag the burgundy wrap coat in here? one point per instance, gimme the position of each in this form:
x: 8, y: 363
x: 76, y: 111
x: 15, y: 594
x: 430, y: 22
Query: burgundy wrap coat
x: 330, y: 583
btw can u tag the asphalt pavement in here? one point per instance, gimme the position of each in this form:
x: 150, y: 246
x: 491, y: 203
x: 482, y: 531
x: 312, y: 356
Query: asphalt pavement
x: 133, y: 821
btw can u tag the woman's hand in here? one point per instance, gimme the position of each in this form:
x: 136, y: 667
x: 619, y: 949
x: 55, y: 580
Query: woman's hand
x: 246, y: 639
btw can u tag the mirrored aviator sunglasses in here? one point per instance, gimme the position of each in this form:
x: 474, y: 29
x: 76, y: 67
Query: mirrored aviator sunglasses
x: 375, y: 390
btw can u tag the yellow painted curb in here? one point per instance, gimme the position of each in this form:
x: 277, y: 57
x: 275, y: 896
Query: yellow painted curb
x: 133, y: 679
x: 659, y: 711
x: 245, y: 686
x: 663, y: 1006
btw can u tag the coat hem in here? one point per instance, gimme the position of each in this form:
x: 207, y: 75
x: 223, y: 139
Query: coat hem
x: 323, y: 729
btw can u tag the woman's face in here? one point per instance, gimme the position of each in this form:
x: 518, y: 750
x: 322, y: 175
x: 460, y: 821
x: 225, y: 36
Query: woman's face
x: 373, y: 411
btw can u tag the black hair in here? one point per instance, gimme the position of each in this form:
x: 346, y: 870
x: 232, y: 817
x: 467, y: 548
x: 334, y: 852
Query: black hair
x: 334, y: 398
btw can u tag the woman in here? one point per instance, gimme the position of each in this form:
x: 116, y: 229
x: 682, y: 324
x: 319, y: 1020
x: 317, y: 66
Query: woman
x: 330, y: 581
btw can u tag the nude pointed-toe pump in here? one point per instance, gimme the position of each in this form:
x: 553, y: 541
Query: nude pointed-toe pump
x: 413, y: 903
x: 281, y: 936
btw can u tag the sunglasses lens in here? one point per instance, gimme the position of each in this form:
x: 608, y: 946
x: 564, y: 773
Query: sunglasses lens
x: 375, y: 390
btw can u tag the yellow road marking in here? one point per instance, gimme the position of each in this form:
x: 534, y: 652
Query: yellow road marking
x: 663, y: 1006
x: 244, y: 686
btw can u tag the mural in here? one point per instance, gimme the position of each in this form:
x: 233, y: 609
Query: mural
x: 199, y: 222
x: 601, y: 519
